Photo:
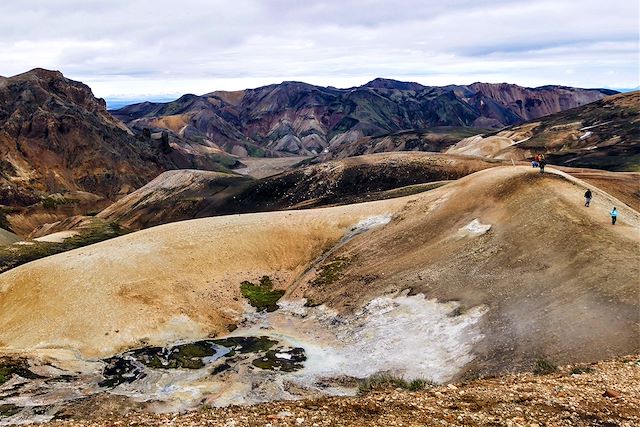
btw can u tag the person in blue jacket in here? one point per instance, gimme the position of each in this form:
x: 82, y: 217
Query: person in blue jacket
x: 614, y: 216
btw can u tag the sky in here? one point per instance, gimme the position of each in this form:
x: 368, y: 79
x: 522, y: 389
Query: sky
x: 126, y: 49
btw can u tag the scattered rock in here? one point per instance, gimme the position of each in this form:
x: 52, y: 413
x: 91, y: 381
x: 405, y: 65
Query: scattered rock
x: 611, y: 393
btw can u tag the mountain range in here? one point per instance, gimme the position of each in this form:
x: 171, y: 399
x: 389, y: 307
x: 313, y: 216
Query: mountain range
x: 303, y: 119
x: 64, y: 154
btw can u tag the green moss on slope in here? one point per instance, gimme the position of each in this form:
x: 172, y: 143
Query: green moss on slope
x: 262, y: 295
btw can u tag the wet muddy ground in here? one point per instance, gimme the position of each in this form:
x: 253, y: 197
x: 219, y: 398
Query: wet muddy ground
x: 28, y: 396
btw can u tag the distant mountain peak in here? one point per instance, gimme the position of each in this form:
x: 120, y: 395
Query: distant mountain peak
x: 42, y: 73
x: 383, y: 83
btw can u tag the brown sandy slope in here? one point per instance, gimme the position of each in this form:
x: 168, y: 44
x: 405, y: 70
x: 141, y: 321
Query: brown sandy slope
x: 173, y: 196
x: 557, y: 278
x: 559, y: 399
x: 625, y: 186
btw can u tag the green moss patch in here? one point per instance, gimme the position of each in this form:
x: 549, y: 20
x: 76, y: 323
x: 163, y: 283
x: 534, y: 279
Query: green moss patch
x: 385, y: 381
x: 281, y: 360
x: 330, y: 272
x: 544, y: 366
x: 262, y: 295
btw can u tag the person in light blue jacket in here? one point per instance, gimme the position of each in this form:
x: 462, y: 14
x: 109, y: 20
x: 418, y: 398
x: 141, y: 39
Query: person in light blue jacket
x: 614, y: 216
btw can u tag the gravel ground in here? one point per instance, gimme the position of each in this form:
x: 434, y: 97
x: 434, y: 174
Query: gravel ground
x: 608, y: 394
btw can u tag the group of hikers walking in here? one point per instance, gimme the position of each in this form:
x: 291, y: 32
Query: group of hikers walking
x: 539, y: 162
x: 587, y: 202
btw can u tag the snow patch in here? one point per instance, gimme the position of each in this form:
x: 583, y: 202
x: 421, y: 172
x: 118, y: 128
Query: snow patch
x: 58, y: 237
x: 476, y: 228
x: 586, y: 135
x: 371, y: 222
x: 283, y: 356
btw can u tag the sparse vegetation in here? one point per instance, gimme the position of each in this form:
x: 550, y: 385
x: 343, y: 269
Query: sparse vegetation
x: 51, y: 202
x: 579, y: 370
x: 271, y: 361
x: 311, y: 302
x: 330, y: 272
x: 8, y: 410
x: 544, y: 366
x: 5, y: 374
x: 471, y: 376
x: 12, y: 256
x: 458, y: 311
x: 385, y: 380
x: 262, y: 295
x: 9, y: 368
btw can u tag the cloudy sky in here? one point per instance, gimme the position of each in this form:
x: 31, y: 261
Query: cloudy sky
x: 126, y: 48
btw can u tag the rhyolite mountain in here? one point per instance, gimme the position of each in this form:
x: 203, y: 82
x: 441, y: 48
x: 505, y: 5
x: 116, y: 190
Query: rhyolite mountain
x: 57, y: 137
x: 299, y: 118
x: 604, y: 135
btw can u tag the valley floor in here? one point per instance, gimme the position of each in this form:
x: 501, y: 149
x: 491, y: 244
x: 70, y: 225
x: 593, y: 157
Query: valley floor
x: 601, y: 394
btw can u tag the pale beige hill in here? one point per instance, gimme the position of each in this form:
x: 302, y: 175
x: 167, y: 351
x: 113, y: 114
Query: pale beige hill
x: 557, y: 280
x: 258, y: 167
x: 489, y: 147
x: 624, y: 186
x: 179, y: 280
x: 7, y: 237
x: 170, y: 195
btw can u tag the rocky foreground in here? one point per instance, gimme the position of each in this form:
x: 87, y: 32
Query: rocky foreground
x: 599, y: 394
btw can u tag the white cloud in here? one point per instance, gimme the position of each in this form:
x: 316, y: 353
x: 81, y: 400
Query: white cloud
x: 159, y: 47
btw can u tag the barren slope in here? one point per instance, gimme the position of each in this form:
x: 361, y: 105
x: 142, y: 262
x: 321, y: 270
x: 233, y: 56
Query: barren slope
x: 575, y: 301
x: 180, y: 195
x: 558, y: 279
x: 573, y: 396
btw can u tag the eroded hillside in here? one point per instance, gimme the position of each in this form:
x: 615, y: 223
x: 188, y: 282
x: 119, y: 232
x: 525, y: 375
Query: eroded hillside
x: 299, y: 118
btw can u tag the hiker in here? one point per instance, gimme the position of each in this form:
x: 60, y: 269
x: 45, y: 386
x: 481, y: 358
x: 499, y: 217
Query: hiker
x: 614, y: 216
x: 542, y: 165
x: 587, y: 197
x: 536, y: 161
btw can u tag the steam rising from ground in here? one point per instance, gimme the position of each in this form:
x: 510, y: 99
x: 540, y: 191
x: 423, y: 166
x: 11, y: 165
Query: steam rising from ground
x: 407, y: 335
